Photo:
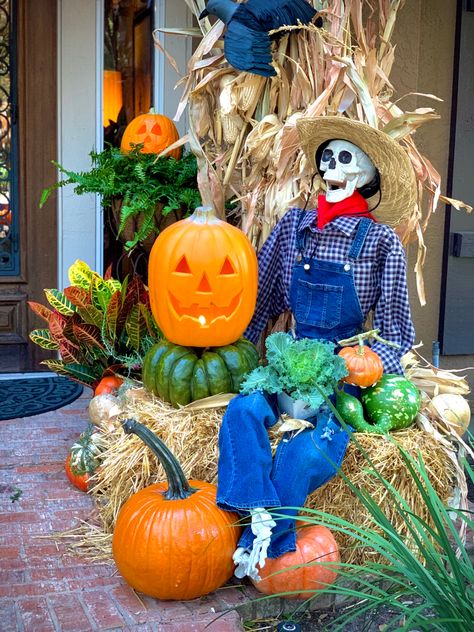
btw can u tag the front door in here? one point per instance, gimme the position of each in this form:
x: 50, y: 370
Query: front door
x: 28, y: 235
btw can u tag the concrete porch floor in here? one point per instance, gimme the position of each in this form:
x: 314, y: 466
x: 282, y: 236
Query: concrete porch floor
x: 43, y: 587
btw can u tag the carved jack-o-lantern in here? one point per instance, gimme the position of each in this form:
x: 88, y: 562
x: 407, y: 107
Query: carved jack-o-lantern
x: 203, y: 278
x: 155, y: 131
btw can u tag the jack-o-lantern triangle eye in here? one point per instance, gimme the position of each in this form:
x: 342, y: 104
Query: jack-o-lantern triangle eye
x: 156, y: 129
x: 141, y: 129
x: 183, y: 266
x: 227, y: 267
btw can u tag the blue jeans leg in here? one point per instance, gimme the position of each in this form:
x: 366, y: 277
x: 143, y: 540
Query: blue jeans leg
x: 302, y: 464
x: 245, y: 458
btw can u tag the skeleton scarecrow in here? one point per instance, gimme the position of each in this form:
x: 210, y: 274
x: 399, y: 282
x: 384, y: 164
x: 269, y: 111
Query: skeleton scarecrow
x: 332, y: 267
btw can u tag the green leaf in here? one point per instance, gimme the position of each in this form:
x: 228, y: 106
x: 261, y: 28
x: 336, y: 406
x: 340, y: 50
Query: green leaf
x: 91, y: 315
x: 88, y: 335
x: 58, y: 300
x: 111, y: 315
x: 150, y: 323
x: 42, y: 338
x: 77, y: 372
x: 114, y: 285
x: 133, y: 327
x: 56, y: 327
x: 69, y: 352
x: 46, y: 193
x: 80, y: 274
x: 100, y: 293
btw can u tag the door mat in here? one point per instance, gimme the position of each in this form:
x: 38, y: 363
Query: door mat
x: 24, y: 397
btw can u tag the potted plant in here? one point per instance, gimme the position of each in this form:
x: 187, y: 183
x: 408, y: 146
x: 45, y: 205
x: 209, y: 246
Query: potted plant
x: 99, y: 326
x: 141, y: 194
x: 301, y: 372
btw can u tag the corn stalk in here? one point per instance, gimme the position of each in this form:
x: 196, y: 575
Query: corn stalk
x: 243, y: 126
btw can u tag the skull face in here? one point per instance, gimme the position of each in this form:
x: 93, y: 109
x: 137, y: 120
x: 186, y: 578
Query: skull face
x: 345, y: 168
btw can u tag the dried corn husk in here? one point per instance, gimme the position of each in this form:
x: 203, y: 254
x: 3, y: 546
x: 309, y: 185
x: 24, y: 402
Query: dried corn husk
x: 343, y: 69
x: 432, y: 380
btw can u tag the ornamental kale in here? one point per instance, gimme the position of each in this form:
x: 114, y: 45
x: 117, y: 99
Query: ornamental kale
x: 305, y: 369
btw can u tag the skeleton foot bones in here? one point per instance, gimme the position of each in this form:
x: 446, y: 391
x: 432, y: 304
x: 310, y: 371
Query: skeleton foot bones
x: 246, y: 560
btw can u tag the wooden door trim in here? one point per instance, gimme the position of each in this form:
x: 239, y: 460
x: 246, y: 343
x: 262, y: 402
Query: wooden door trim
x: 37, y: 147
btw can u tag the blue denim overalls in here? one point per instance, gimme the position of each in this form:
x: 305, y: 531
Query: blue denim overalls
x: 325, y: 305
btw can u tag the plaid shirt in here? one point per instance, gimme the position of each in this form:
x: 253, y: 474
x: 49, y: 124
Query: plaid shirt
x: 379, y: 275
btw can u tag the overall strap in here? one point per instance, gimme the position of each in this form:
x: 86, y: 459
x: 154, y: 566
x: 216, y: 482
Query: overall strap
x: 359, y: 239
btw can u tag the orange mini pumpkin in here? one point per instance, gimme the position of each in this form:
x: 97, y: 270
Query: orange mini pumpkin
x: 364, y: 365
x: 155, y: 131
x: 171, y: 541
x: 203, y: 278
x: 314, y: 544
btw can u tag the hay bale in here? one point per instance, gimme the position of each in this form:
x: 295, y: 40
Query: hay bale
x: 192, y: 435
x: 128, y: 465
x: 336, y: 497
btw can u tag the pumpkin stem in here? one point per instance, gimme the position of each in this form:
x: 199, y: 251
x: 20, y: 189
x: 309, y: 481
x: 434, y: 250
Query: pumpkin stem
x: 204, y: 215
x: 178, y: 485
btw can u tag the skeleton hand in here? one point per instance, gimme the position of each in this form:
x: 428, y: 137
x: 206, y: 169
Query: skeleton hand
x: 262, y: 525
x: 246, y: 561
x: 241, y: 560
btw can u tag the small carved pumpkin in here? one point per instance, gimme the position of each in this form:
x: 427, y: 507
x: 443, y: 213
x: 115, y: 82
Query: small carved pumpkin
x: 364, y: 365
x: 314, y: 544
x: 155, y: 131
x: 202, y: 277
x: 171, y: 541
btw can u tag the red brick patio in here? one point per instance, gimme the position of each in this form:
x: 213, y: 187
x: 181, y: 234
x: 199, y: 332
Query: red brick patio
x: 44, y: 588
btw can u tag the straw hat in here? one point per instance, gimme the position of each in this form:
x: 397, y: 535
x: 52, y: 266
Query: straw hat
x: 397, y: 177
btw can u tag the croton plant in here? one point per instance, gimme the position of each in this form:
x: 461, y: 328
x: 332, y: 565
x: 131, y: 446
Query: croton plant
x: 98, y: 325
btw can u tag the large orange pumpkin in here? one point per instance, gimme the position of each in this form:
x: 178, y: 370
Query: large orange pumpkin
x: 364, y: 365
x: 171, y: 541
x: 314, y: 544
x: 155, y: 131
x: 203, y: 278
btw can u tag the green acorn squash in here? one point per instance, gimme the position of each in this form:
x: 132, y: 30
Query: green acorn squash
x: 391, y: 404
x: 180, y: 375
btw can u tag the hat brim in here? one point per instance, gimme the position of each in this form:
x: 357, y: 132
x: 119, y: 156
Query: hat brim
x: 397, y: 177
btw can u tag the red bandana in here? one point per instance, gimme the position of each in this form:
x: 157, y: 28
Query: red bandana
x: 353, y: 205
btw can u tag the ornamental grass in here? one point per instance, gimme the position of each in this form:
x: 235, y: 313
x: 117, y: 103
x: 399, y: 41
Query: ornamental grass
x: 425, y: 583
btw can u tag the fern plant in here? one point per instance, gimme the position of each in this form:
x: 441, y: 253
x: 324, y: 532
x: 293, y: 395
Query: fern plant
x: 144, y: 189
x: 95, y: 324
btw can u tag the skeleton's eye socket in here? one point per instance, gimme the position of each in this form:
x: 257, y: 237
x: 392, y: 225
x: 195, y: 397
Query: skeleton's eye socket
x: 345, y: 157
x: 327, y: 155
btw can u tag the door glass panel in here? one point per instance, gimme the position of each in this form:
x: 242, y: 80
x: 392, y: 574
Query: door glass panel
x: 128, y: 90
x: 128, y: 64
x: 9, y: 225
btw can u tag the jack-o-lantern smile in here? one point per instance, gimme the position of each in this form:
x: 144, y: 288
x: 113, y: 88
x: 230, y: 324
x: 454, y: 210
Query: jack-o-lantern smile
x: 205, y: 314
x: 203, y: 281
